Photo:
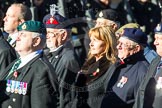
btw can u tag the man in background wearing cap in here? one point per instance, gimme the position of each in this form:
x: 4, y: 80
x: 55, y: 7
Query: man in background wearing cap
x: 16, y: 14
x: 61, y: 55
x: 107, y: 17
x: 149, y: 53
x: 30, y: 81
x: 128, y: 72
x: 149, y: 94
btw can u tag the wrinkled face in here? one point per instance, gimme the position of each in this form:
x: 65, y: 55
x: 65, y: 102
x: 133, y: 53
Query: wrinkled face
x: 125, y: 48
x: 54, y: 38
x: 97, y: 47
x: 158, y: 43
x: 24, y: 43
x: 11, y: 20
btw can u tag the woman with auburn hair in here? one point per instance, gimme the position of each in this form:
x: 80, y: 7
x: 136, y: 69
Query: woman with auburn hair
x: 90, y: 81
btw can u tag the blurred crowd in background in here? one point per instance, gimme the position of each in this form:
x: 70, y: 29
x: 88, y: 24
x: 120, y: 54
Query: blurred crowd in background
x: 147, y: 13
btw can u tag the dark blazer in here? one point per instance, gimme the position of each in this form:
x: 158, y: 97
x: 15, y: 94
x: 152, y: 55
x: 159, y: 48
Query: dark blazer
x: 7, y: 54
x: 42, y: 86
x: 148, y: 95
x: 123, y: 81
x: 90, y: 83
x: 66, y: 67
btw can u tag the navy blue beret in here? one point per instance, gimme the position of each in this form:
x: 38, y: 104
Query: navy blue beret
x: 56, y: 21
x: 136, y: 35
x: 158, y: 28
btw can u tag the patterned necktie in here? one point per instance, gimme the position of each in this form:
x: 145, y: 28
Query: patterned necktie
x: 14, y: 67
x: 9, y: 39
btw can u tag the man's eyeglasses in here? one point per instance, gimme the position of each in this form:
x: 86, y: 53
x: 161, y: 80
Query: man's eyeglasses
x: 119, y: 43
x: 52, y: 34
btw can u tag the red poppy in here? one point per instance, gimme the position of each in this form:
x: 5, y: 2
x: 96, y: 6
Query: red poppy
x: 96, y: 72
x: 15, y: 74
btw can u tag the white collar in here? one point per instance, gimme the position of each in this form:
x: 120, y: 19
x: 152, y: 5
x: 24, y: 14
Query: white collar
x: 28, y: 58
x: 13, y: 37
x: 53, y: 50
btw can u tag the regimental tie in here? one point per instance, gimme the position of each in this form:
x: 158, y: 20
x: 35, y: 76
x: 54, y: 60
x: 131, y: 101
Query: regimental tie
x: 14, y: 67
x: 9, y: 39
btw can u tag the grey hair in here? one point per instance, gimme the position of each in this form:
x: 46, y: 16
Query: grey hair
x: 42, y: 36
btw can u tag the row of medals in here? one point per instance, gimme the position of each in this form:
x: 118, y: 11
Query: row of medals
x: 16, y: 87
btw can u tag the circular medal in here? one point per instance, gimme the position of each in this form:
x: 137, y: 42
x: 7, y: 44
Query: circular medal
x: 119, y: 84
x: 8, y: 89
x: 16, y: 91
x: 24, y: 92
x: 12, y: 90
x: 20, y: 91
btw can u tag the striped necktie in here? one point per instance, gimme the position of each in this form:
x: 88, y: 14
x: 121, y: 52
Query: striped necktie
x: 9, y: 39
x: 14, y: 67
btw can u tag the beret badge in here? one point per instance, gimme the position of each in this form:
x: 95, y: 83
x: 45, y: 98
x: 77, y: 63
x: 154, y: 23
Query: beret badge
x: 158, y: 28
x: 23, y: 26
x: 52, y: 21
x: 101, y: 14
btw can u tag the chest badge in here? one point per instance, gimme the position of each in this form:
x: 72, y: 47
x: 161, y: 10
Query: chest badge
x: 159, y: 83
x: 122, y: 82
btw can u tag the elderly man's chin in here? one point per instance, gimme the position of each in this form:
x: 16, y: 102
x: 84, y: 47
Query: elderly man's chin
x: 159, y: 52
x: 17, y: 48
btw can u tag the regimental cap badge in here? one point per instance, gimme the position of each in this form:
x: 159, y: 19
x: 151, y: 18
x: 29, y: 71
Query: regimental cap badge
x: 52, y: 20
x: 54, y: 9
x: 158, y: 28
x: 23, y: 26
x: 101, y: 14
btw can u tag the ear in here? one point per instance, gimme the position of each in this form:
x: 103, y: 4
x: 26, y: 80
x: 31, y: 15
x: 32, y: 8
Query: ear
x: 36, y: 41
x: 137, y: 48
x: 21, y: 21
x: 64, y: 35
x: 114, y: 26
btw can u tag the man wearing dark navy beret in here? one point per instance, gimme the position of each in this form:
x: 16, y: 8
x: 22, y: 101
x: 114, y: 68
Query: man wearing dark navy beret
x: 61, y: 55
x: 150, y: 92
x: 128, y: 72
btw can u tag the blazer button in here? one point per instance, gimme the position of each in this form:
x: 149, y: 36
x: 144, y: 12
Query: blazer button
x: 14, y: 100
x: 9, y: 106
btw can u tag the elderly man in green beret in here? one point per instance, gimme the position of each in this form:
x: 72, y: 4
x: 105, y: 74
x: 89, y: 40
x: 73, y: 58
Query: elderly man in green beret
x: 29, y: 82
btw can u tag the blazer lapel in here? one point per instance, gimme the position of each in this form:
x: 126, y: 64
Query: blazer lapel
x: 25, y: 70
x: 6, y: 71
x: 109, y: 73
x: 27, y: 67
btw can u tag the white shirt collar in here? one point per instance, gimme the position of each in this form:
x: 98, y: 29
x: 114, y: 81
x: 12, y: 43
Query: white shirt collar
x: 56, y: 48
x: 14, y: 37
x: 28, y: 58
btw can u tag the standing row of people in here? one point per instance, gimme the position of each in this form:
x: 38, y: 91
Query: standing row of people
x: 34, y: 77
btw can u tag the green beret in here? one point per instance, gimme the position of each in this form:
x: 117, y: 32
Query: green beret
x: 32, y: 26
